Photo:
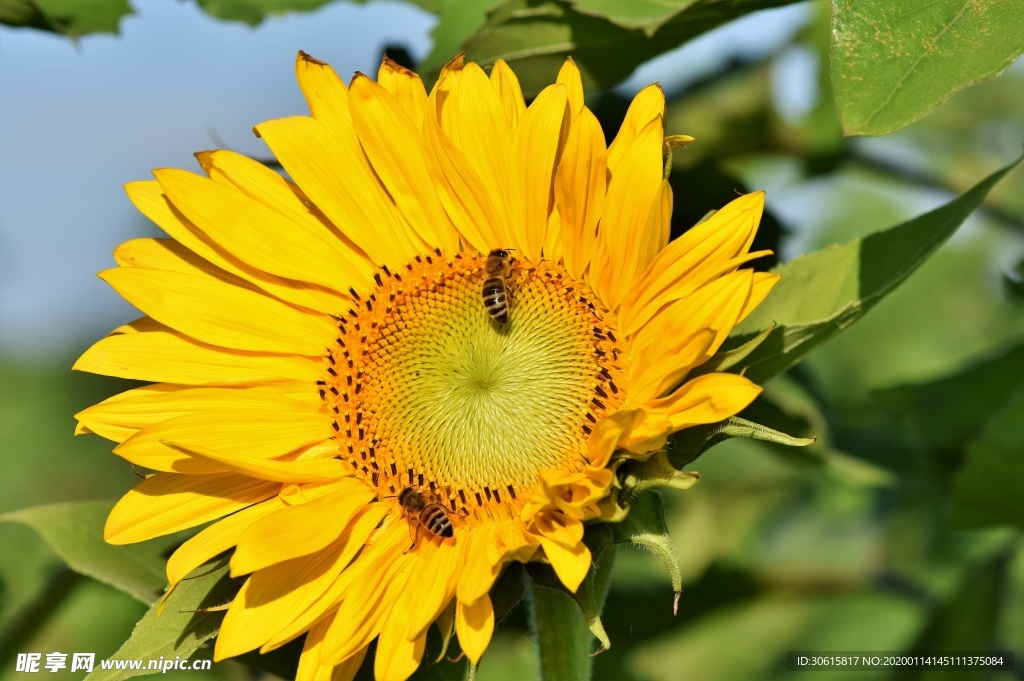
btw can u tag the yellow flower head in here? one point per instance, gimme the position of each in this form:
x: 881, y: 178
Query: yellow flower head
x: 373, y: 443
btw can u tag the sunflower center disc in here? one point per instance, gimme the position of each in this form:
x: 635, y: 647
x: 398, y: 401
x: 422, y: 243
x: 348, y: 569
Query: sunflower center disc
x: 431, y: 392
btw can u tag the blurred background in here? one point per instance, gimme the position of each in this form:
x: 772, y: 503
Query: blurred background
x: 846, y: 545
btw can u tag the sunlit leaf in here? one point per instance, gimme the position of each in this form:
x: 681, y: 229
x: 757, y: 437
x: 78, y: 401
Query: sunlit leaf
x: 178, y: 631
x: 75, y: 533
x: 648, y: 15
x: 456, y: 21
x: 68, y: 17
x: 986, y: 491
x: 893, y: 62
x: 535, y: 37
x: 825, y: 292
x: 254, y: 12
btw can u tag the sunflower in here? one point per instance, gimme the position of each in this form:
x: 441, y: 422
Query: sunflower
x: 320, y: 353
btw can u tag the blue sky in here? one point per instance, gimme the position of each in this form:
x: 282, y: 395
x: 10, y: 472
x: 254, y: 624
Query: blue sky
x: 76, y: 123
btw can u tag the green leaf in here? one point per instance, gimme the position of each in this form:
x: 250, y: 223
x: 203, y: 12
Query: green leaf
x: 967, y: 620
x: 253, y: 12
x: 893, y: 62
x: 178, y: 631
x: 456, y: 21
x: 648, y: 15
x: 75, y: 532
x: 535, y: 37
x: 986, y: 491
x: 825, y: 292
x: 938, y: 413
x: 67, y: 17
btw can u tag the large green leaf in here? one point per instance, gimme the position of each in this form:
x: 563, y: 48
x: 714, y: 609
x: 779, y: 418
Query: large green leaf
x: 535, y: 37
x: 178, y: 631
x: 75, y: 532
x: 986, y: 491
x: 937, y: 413
x: 254, y: 12
x: 646, y: 14
x: 893, y: 62
x: 825, y: 292
x: 456, y: 21
x: 68, y: 17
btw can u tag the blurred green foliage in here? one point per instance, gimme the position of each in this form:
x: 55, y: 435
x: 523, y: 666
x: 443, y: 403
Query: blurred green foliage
x: 899, y: 529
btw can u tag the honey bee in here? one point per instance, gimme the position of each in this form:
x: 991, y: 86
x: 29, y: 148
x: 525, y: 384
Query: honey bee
x: 424, y: 511
x: 498, y: 270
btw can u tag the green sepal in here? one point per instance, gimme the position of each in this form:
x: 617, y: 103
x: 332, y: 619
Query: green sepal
x: 646, y: 528
x: 657, y: 471
x: 707, y: 216
x: 732, y: 352
x: 508, y: 590
x: 590, y: 596
x: 687, y: 445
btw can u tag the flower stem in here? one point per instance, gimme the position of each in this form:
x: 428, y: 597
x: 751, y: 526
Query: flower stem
x: 563, y: 639
x: 565, y: 642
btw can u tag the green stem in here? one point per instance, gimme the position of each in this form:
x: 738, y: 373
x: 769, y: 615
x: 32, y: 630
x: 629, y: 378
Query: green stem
x: 563, y: 640
x: 565, y: 626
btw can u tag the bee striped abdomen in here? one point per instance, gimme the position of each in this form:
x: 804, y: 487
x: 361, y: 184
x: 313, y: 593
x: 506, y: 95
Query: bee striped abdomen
x: 436, y: 521
x: 496, y: 299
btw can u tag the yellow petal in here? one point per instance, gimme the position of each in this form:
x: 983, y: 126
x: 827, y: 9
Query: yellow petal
x: 536, y: 147
x: 371, y: 585
x: 715, y: 306
x: 355, y: 534
x: 391, y: 141
x: 166, y: 503
x: 472, y: 117
x: 310, y: 668
x: 657, y: 230
x: 287, y: 245
x: 216, y: 539
x: 609, y: 432
x: 474, y: 625
x: 215, y: 312
x: 764, y: 282
x: 325, y: 93
x: 121, y: 416
x: 397, y: 655
x: 631, y: 192
x: 315, y: 470
x: 648, y: 104
x: 580, y: 182
x: 261, y: 426
x: 701, y: 254
x: 268, y: 187
x: 301, y: 529
x: 506, y: 84
x: 676, y: 357
x: 168, y: 254
x: 434, y: 588
x: 706, y: 399
x: 330, y: 167
x: 406, y: 87
x: 570, y: 563
x: 149, y: 198
x: 462, y: 193
x: 569, y: 76
x: 147, y: 351
x: 271, y: 595
x: 481, y: 566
